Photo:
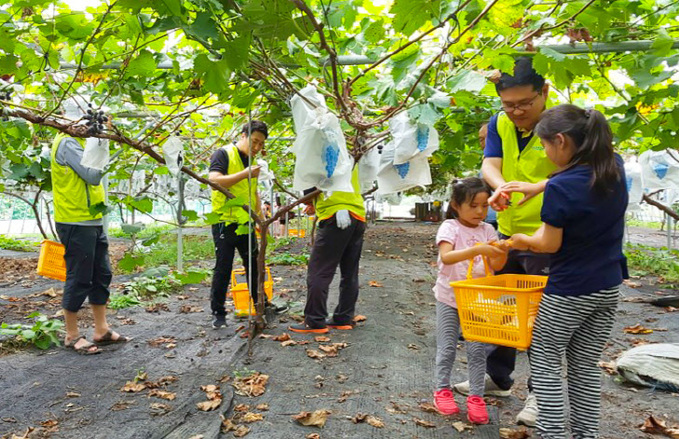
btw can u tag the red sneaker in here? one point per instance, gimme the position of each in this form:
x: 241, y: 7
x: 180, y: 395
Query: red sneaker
x: 476, y: 410
x: 445, y: 402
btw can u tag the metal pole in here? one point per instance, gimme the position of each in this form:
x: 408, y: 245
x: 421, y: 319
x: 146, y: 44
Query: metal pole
x: 180, y: 222
x: 668, y: 223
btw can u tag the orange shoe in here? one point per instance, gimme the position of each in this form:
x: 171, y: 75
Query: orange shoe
x: 476, y: 410
x: 303, y: 328
x: 444, y: 401
x: 342, y: 327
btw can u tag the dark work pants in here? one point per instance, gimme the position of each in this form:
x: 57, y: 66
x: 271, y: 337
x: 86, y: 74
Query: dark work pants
x: 334, y: 247
x: 226, y: 243
x: 88, y: 268
x: 501, y: 359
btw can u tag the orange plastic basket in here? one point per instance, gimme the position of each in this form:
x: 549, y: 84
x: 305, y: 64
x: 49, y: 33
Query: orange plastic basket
x: 51, y: 261
x: 242, y: 302
x: 300, y: 233
x: 500, y: 309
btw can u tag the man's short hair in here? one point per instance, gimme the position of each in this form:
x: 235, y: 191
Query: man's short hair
x: 255, y: 125
x: 524, y: 74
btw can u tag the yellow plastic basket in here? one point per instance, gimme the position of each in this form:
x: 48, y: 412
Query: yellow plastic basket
x: 242, y: 302
x: 300, y: 233
x: 499, y: 309
x: 51, y: 261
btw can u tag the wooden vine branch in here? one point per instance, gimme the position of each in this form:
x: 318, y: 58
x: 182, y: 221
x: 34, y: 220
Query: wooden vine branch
x: 116, y: 136
x: 542, y: 29
x: 409, y: 43
x: 332, y: 55
x: 398, y: 108
x: 661, y: 206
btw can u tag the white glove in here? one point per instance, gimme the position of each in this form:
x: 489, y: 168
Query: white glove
x: 343, y: 219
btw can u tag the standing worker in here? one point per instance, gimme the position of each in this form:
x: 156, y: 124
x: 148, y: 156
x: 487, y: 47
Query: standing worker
x: 339, y: 241
x: 514, y: 160
x: 234, y: 167
x: 76, y: 189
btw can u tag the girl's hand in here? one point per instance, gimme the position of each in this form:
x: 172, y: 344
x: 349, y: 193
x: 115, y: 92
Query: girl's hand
x: 519, y: 241
x: 529, y: 190
x: 503, y: 244
x: 489, y: 250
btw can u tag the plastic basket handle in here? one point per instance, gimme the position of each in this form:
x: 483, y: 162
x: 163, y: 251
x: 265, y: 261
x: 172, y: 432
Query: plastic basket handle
x: 485, y: 265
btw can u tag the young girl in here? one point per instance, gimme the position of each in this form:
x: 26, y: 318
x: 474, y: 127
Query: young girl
x: 583, y: 216
x: 457, y: 240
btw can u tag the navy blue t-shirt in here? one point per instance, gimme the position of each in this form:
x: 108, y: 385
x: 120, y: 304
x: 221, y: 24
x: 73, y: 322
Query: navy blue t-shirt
x: 590, y: 258
x: 494, y: 142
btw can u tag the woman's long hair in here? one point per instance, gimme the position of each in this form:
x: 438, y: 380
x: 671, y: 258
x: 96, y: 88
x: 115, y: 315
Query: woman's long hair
x: 592, y: 138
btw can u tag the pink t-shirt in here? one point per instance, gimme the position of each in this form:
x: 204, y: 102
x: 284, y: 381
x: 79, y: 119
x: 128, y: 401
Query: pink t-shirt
x: 461, y: 237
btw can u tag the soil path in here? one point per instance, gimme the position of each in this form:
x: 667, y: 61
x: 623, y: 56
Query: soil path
x: 385, y: 370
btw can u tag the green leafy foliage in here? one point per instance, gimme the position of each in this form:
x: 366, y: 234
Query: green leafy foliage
x: 42, y: 334
x: 9, y: 243
x: 644, y: 261
x: 288, y: 259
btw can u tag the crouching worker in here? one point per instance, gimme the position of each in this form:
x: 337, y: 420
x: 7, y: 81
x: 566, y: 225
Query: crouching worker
x: 76, y: 188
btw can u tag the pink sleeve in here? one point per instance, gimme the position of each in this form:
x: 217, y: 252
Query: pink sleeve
x: 447, y: 233
x: 491, y: 233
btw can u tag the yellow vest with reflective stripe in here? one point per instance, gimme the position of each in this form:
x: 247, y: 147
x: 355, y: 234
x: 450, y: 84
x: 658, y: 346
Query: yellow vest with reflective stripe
x: 351, y: 201
x: 532, y: 166
x: 241, y: 190
x: 72, y: 195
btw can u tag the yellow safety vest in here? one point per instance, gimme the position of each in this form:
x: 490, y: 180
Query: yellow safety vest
x: 241, y: 190
x: 351, y: 201
x: 72, y: 195
x: 530, y: 165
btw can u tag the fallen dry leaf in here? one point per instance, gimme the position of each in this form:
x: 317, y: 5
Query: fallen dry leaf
x: 133, y: 387
x: 313, y: 436
x: 631, y: 283
x: 428, y: 407
x: 658, y: 426
x: 508, y: 433
x: 122, y: 405
x: 341, y: 378
x: 414, y: 347
x: 359, y: 318
x: 635, y: 299
x: 252, y: 417
x: 288, y: 343
x: 159, y: 408
x: 241, y: 431
x: 637, y: 329
x: 162, y: 394
x: 262, y: 407
x: 671, y: 309
x: 185, y: 309
x: 608, y: 367
x: 161, y: 340
x: 227, y: 424
x: 423, y: 423
x: 331, y: 351
x: 322, y: 338
x: 50, y: 425
x: 25, y: 435
x: 197, y: 436
x: 283, y: 337
x: 314, y: 419
x: 209, y: 388
x: 313, y: 353
x: 72, y: 395
x: 209, y: 405
x: 374, y: 283
x: 241, y: 408
x: 265, y: 336
x: 396, y: 409
x: 251, y: 385
x: 461, y: 426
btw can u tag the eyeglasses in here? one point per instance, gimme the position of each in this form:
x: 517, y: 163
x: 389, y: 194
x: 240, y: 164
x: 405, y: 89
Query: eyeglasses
x: 523, y: 107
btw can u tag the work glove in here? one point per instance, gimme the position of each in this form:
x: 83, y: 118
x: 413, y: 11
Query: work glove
x: 343, y: 219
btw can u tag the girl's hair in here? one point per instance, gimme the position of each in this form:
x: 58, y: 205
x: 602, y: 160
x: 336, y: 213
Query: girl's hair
x: 592, y: 137
x: 464, y: 191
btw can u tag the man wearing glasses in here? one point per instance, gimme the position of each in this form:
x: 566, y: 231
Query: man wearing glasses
x: 516, y: 167
x: 234, y: 167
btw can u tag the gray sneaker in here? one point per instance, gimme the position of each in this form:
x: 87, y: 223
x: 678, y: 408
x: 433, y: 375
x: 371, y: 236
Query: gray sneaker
x: 492, y: 389
x: 529, y: 415
x: 218, y: 321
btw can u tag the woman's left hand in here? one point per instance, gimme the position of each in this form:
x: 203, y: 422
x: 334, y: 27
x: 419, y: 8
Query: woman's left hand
x: 519, y: 241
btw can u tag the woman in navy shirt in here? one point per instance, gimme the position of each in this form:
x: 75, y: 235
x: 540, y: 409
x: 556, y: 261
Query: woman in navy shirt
x: 583, y: 216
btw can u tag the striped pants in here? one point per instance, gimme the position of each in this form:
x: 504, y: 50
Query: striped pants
x: 577, y: 326
x: 447, y: 334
